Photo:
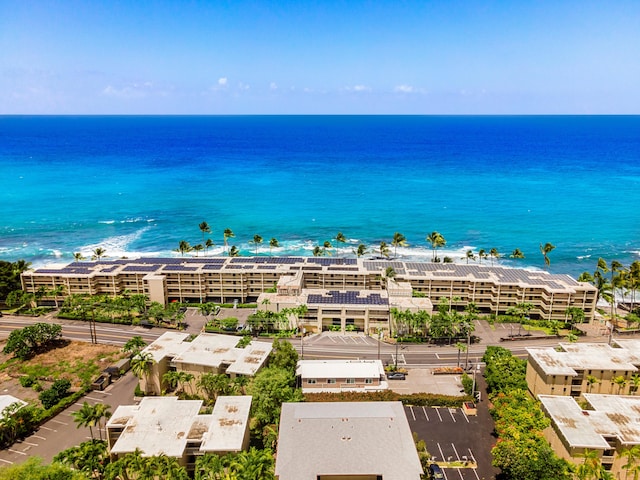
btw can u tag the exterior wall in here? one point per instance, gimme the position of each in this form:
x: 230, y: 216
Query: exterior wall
x: 342, y: 383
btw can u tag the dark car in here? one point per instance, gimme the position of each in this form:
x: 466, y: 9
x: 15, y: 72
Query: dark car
x: 435, y: 471
x: 396, y: 376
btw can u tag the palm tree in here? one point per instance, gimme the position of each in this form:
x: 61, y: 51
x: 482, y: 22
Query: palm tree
x: 98, y: 253
x: 234, y: 252
x: 326, y: 247
x: 318, y: 251
x: 227, y: 235
x: 384, y: 249
x: 632, y: 454
x: 171, y: 378
x: 361, y: 250
x: 340, y: 238
x: 204, y: 228
x: 273, y: 243
x: 141, y: 364
x: 494, y: 254
x: 134, y: 345
x: 257, y: 240
x: 545, y: 250
x: 517, y: 253
x: 461, y: 348
x: 399, y: 240
x: 436, y: 240
x: 101, y: 413
x: 591, y: 467
x: 591, y: 381
x: 482, y: 253
x: 635, y: 380
x: 470, y: 256
x: 77, y: 256
x: 183, y: 247
x: 198, y: 248
x: 208, y: 244
x: 85, y: 417
x: 621, y: 382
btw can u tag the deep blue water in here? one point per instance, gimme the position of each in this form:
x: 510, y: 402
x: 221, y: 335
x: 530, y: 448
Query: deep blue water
x: 139, y: 185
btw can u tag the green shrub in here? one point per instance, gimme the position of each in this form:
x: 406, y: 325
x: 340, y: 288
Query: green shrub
x: 27, y: 381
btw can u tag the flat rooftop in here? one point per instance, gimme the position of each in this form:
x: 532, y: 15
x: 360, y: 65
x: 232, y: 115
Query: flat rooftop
x: 346, y: 438
x: 6, y: 400
x: 612, y: 416
x: 340, y: 369
x: 229, y: 421
x: 210, y: 349
x: 583, y: 356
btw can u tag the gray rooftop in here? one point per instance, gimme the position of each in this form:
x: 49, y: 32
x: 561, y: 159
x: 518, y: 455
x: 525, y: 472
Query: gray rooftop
x: 612, y: 416
x: 346, y: 438
x: 230, y: 421
x: 583, y: 356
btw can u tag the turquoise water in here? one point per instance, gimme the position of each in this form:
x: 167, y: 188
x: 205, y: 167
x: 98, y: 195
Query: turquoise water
x: 139, y: 185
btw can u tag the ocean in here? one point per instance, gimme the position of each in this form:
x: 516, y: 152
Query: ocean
x: 138, y: 185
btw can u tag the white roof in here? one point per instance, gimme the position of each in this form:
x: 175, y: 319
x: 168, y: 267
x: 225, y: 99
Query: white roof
x: 340, y: 369
x: 229, y: 424
x: 346, y: 438
x: 613, y: 416
x: 583, y: 356
x: 211, y: 349
x: 159, y: 425
x: 6, y: 400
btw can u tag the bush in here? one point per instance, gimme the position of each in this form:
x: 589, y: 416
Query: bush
x: 27, y: 381
x: 58, y: 391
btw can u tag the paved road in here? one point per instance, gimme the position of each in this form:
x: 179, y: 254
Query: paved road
x: 61, y: 432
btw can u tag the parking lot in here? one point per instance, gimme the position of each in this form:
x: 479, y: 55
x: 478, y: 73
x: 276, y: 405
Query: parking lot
x: 453, y: 436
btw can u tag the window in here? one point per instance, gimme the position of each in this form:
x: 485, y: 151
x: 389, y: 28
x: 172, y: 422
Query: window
x: 331, y: 380
x: 351, y: 380
x: 368, y: 381
x: 311, y: 381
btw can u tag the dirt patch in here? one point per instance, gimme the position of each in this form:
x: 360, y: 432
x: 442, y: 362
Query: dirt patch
x: 69, y: 359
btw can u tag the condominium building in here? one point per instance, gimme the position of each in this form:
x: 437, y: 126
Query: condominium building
x: 315, y: 376
x: 223, y: 279
x: 207, y: 353
x: 175, y: 428
x: 574, y: 369
x: 607, y: 425
x: 346, y: 440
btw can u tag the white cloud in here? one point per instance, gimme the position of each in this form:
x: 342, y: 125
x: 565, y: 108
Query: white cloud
x: 273, y: 86
x: 132, y: 90
x: 243, y: 86
x: 222, y: 81
x: 404, y: 89
x: 359, y: 88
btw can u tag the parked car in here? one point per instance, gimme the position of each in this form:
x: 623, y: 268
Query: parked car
x: 435, y: 472
x: 396, y: 376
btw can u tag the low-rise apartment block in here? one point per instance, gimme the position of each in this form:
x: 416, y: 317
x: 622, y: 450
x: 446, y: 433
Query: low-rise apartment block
x: 175, y: 428
x: 574, y: 369
x: 609, y: 425
x: 207, y: 353
x: 316, y: 376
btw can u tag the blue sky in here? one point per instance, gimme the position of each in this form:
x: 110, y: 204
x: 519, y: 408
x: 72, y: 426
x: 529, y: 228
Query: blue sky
x: 319, y: 57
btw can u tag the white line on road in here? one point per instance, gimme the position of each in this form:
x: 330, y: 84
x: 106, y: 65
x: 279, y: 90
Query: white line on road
x: 7, y: 461
x: 475, y: 473
x: 438, y: 412
x: 465, y: 415
x: 58, y: 421
x: 424, y: 409
x: 37, y: 436
x: 29, y: 443
x: 456, y: 451
x: 471, y: 456
x: 451, y: 410
x: 441, y: 452
x: 412, y: 414
x: 47, y: 428
x: 95, y: 399
x: 16, y: 451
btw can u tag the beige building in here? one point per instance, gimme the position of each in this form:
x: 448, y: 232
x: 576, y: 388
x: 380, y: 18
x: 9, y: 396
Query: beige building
x: 175, y: 428
x: 316, y: 376
x: 608, y: 425
x: 574, y: 369
x: 207, y: 353
x: 346, y: 441
x: 224, y: 279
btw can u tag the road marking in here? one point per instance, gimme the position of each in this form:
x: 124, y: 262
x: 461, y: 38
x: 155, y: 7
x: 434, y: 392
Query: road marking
x: 451, y: 410
x: 456, y: 452
x: 37, y: 436
x: 47, y: 428
x: 332, y: 339
x: 412, y: 414
x: 16, y: 451
x: 465, y: 415
x: 438, y: 412
x: 58, y: 421
x: 441, y: 452
x: 95, y: 399
x: 29, y: 443
x: 471, y: 455
x: 424, y: 409
x: 7, y: 461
